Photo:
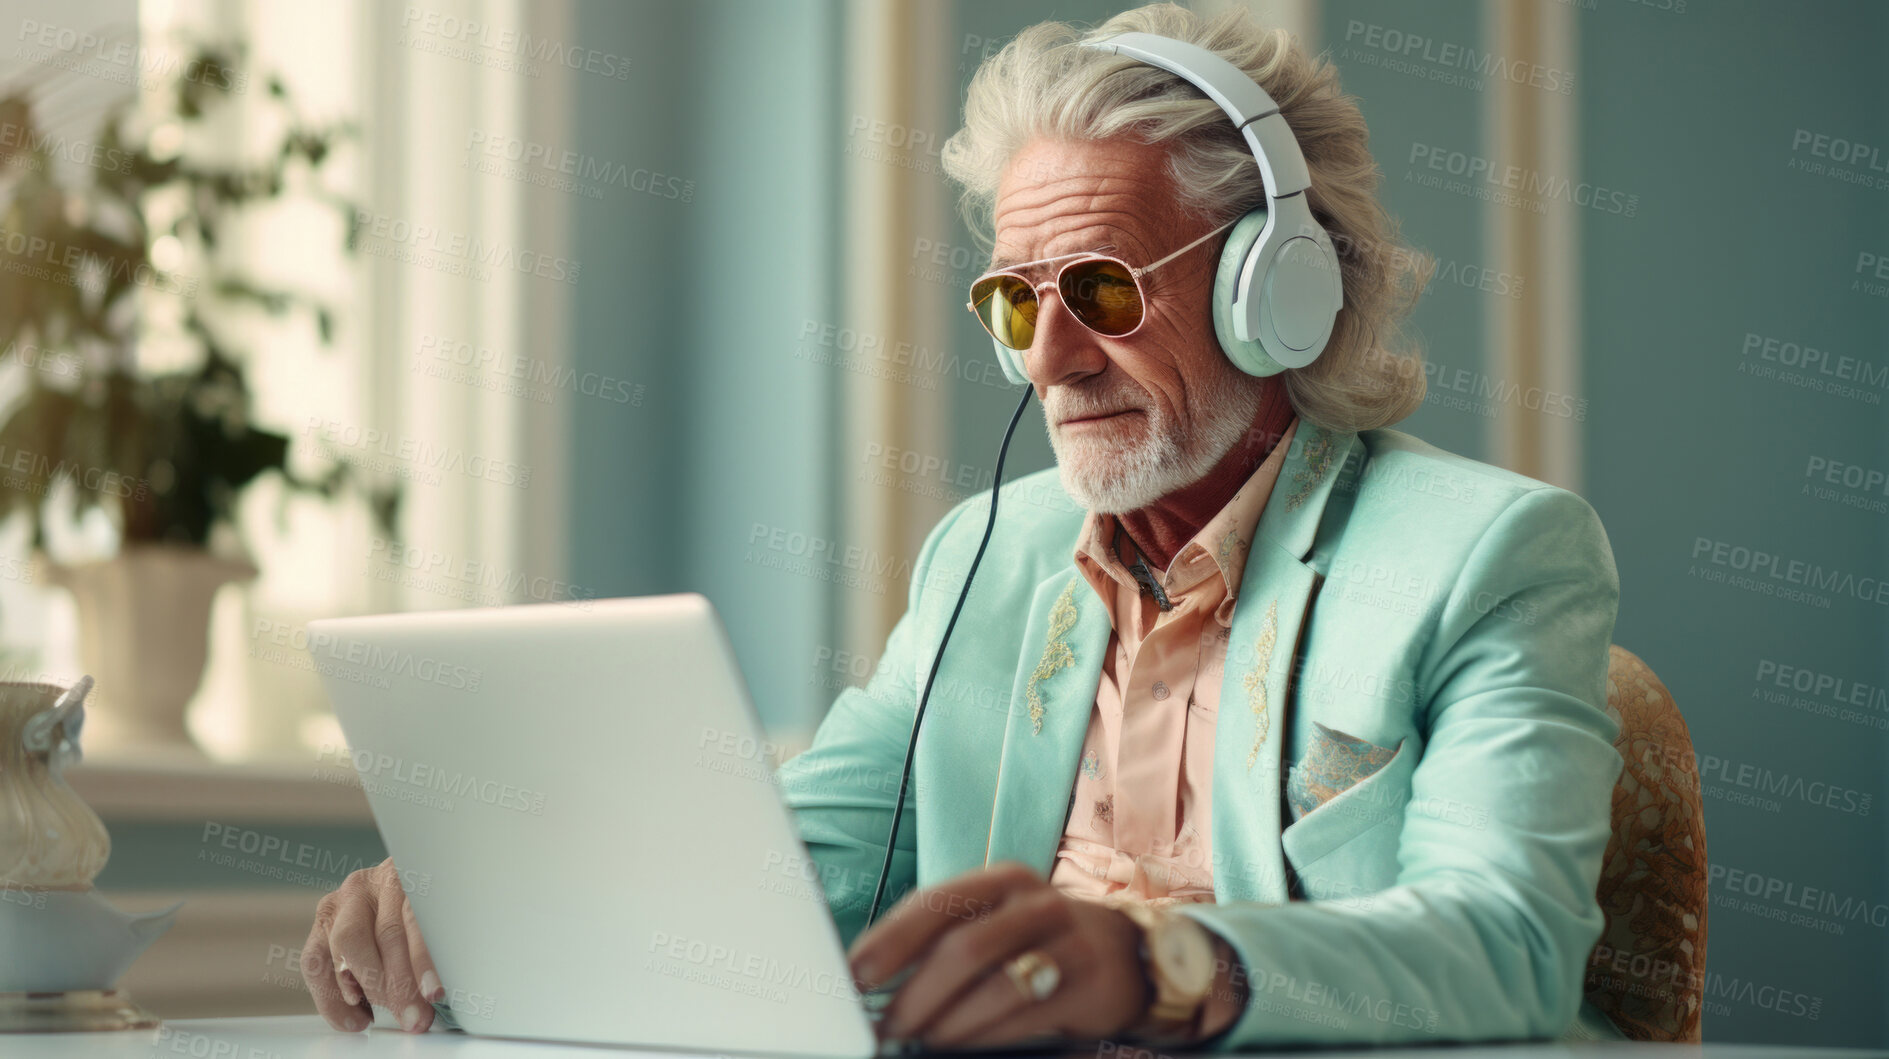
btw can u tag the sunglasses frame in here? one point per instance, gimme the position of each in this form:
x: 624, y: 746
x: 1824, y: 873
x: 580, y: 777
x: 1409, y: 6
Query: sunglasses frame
x: 1141, y: 294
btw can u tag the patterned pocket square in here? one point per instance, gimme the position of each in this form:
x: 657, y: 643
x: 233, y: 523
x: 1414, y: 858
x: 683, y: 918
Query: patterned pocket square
x: 1333, y: 764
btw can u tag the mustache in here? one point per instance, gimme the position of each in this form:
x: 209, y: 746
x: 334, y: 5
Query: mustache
x: 1065, y: 406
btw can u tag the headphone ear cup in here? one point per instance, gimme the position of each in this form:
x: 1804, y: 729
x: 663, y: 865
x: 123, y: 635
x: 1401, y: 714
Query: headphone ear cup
x: 1011, y: 362
x: 1248, y: 355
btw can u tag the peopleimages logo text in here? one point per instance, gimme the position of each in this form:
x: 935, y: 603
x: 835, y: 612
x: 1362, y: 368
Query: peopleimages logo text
x: 1772, y: 566
x: 447, y: 26
x: 1528, y: 182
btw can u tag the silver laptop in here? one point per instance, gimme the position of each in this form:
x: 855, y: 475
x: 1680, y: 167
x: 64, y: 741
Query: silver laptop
x: 580, y: 802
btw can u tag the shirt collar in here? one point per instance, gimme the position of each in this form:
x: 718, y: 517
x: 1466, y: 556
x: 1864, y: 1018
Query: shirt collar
x: 1219, y: 547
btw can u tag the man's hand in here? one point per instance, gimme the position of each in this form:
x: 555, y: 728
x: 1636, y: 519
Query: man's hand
x: 958, y: 936
x: 366, y: 948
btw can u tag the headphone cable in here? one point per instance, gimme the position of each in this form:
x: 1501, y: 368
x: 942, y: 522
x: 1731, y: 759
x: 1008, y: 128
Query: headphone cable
x: 905, y: 773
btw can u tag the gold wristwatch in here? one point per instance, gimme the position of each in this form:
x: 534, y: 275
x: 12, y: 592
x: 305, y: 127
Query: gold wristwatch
x: 1177, y: 957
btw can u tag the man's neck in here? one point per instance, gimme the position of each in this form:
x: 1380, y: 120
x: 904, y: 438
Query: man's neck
x: 1164, y: 527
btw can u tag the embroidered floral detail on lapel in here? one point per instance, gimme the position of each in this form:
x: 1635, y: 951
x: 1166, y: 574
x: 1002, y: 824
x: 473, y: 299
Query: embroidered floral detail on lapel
x: 1229, y: 544
x: 1056, y: 652
x: 1318, y: 452
x: 1256, y: 678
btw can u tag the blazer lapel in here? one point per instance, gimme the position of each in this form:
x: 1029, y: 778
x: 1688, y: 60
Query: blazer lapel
x: 1058, y: 670
x: 1276, y: 593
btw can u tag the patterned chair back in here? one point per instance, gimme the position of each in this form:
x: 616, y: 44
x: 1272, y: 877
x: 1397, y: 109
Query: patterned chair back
x: 1647, y: 972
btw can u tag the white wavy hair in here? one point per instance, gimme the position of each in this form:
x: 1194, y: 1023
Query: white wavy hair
x: 1039, y: 85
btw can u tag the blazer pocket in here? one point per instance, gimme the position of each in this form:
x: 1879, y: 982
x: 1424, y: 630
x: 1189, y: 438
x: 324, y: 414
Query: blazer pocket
x: 1378, y: 798
x: 1334, y: 763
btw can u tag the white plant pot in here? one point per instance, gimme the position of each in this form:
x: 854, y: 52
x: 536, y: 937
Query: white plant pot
x: 144, y: 634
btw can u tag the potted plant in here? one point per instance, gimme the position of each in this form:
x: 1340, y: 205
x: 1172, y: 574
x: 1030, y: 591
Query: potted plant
x: 127, y: 248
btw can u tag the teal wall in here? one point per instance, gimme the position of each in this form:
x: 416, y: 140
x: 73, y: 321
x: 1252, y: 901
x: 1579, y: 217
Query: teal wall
x: 1405, y: 114
x: 704, y: 301
x: 1696, y: 111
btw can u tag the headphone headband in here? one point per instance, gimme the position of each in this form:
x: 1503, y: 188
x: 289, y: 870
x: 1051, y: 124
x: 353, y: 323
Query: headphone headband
x: 1252, y: 111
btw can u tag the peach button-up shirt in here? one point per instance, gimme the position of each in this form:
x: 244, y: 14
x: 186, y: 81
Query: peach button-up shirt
x: 1141, y: 820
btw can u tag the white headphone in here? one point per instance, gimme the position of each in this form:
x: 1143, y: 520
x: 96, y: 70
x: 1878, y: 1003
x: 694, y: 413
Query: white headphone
x: 1277, y: 290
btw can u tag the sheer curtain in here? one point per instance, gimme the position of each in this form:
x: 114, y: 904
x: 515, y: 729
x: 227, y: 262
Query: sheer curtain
x: 420, y: 383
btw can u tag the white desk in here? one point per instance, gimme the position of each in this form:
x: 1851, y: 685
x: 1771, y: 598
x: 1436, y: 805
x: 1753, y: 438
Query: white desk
x: 308, y: 1037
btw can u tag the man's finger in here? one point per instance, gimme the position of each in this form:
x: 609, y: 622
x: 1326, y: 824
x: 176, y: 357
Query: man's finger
x: 918, y: 920
x: 995, y: 1011
x: 954, y: 972
x: 400, y: 990
x: 357, y: 963
x: 318, y: 971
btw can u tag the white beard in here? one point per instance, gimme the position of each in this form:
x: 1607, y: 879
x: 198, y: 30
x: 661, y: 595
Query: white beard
x: 1115, y: 475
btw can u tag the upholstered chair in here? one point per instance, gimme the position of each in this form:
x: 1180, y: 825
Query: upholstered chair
x: 1647, y: 973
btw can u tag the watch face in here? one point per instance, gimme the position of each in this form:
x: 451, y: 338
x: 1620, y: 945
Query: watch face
x: 1184, y: 954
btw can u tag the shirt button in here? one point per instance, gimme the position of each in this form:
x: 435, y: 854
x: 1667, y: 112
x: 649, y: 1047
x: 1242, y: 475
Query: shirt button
x: 1160, y: 690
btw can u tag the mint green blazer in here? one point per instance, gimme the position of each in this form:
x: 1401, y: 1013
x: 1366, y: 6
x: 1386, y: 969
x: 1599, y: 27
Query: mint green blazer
x: 1394, y: 592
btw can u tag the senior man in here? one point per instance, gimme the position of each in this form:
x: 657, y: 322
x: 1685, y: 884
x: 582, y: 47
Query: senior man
x: 1265, y: 723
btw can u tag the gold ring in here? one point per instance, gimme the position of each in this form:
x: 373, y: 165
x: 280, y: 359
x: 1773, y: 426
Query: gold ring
x: 1034, y: 974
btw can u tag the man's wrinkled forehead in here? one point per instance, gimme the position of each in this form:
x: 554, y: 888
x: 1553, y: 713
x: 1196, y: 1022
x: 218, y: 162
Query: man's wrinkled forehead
x: 1072, y: 224
x: 1055, y: 202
